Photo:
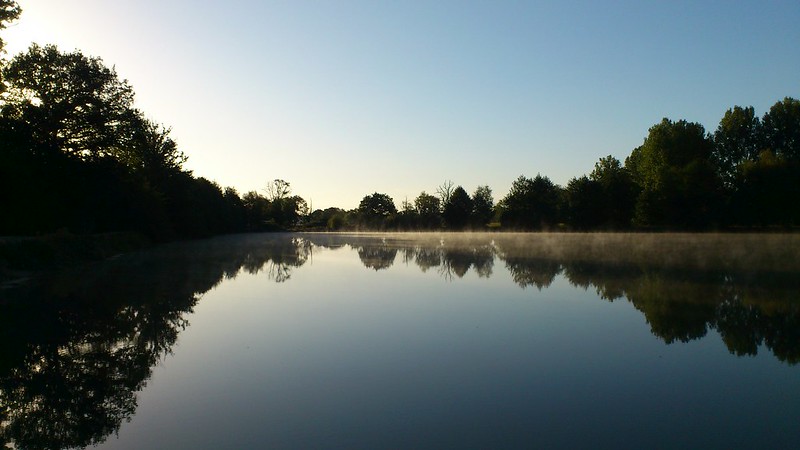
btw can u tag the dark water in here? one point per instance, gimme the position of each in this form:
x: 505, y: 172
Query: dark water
x: 411, y: 341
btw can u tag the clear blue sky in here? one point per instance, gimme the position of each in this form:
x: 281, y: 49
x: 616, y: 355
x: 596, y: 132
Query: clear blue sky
x: 345, y: 98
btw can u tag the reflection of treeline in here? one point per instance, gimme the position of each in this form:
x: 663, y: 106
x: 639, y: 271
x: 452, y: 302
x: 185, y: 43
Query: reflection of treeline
x: 76, y: 347
x: 682, y: 305
x: 744, y: 286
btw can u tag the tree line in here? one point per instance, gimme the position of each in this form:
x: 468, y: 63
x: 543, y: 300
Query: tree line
x: 76, y: 155
x: 746, y: 174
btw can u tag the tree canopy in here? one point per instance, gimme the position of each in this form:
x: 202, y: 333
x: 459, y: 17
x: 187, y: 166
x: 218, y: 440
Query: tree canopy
x: 71, y: 102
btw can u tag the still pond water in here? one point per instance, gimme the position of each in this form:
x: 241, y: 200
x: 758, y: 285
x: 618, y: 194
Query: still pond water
x: 411, y: 341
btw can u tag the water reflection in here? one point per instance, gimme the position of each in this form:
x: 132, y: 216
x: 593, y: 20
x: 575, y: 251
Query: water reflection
x: 78, y: 346
x: 745, y: 287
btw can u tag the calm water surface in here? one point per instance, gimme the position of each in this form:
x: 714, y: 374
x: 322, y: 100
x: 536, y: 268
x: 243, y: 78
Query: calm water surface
x: 411, y: 341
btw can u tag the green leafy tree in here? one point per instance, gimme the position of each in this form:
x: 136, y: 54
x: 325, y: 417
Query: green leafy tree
x: 73, y: 103
x: 619, y: 192
x: 674, y: 169
x: 782, y: 129
x: 738, y: 139
x: 458, y: 209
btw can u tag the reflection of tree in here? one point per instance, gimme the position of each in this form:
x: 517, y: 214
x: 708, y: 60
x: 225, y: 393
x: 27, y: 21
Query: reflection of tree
x: 745, y: 287
x: 76, y: 370
x: 683, y: 285
x: 676, y: 310
x: 76, y: 347
x: 747, y: 309
x: 459, y: 260
x: 377, y: 257
x: 751, y: 315
x: 483, y: 261
x: 278, y: 259
x: 427, y: 257
x: 532, y: 272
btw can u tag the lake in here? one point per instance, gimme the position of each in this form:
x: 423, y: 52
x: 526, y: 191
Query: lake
x: 411, y: 341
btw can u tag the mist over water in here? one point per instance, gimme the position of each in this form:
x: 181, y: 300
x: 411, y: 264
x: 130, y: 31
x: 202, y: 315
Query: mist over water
x: 397, y: 340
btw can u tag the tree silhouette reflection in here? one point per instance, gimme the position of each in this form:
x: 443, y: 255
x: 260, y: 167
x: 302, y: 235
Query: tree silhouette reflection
x: 78, y: 346
x: 684, y: 288
x: 378, y: 257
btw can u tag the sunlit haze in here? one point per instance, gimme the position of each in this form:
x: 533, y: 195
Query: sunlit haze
x: 347, y: 98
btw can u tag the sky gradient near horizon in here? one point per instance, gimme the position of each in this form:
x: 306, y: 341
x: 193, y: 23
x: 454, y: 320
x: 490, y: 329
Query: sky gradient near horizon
x: 346, y: 98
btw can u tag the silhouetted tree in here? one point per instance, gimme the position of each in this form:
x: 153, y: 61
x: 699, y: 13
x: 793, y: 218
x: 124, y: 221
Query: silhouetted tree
x: 151, y: 151
x: 767, y: 192
x: 255, y: 210
x: 278, y: 189
x: 531, y: 203
x: 585, y: 201
x: 286, y: 212
x: 72, y: 102
x: 9, y: 12
x: 328, y: 219
x: 444, y: 191
x: 482, y: 206
x: 619, y: 192
x: 377, y: 209
x: 782, y: 129
x: 458, y: 209
x: 428, y: 207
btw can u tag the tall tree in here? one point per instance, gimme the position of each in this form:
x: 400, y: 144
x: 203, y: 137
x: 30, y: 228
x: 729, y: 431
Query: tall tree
x: 482, y: 206
x: 444, y: 191
x: 738, y: 139
x: 585, y: 203
x: 531, y: 203
x: 618, y: 192
x: 377, y: 210
x: 458, y: 209
x: 278, y: 189
x: 673, y: 167
x: 782, y: 129
x: 428, y: 208
x: 73, y: 103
